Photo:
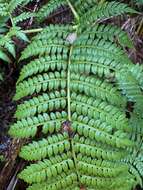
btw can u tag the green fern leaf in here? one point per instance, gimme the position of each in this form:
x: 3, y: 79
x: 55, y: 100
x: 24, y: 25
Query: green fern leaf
x: 57, y: 144
x: 111, y: 33
x: 74, y: 91
x: 63, y: 181
x: 112, y: 9
x: 48, y: 8
x: 22, y: 17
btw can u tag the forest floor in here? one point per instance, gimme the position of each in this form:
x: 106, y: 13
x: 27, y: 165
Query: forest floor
x: 10, y: 147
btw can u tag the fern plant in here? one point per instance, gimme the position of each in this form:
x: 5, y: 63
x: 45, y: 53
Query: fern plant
x: 7, y: 45
x: 75, y: 91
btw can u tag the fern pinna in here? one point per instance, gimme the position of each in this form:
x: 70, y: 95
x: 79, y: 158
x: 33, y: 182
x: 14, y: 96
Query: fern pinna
x: 81, y: 91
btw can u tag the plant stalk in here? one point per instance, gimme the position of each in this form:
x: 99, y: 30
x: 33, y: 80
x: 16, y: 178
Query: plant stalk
x: 68, y: 85
x: 73, y: 11
x: 33, y: 30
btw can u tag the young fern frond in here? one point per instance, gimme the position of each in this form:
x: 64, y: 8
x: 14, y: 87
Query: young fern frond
x: 14, y: 4
x: 63, y: 181
x: 137, y: 72
x: 41, y: 104
x: 48, y: 8
x: 9, y: 6
x: 75, y: 82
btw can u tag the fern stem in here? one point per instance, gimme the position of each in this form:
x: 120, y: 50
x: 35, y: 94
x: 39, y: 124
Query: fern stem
x: 68, y: 85
x: 73, y: 11
x: 33, y: 30
x: 69, y: 110
x: 74, y: 159
x: 36, y: 30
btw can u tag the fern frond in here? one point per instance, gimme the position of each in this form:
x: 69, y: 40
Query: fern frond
x: 14, y: 4
x: 136, y: 174
x: 63, y: 181
x: 48, y: 8
x: 139, y: 166
x: 102, y: 163
x: 28, y: 127
x: 51, y: 81
x: 101, y: 171
x: 105, y: 10
x: 42, y: 104
x: 3, y: 9
x: 111, y: 33
x: 76, y: 83
x: 137, y: 72
x: 97, y: 109
x: 99, y: 136
x: 22, y: 17
x: 102, y: 126
x: 99, y: 47
x: 84, y: 6
x: 101, y: 182
x: 54, y: 145
x: 130, y: 86
x: 8, y: 7
x: 90, y: 12
x: 47, y: 169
